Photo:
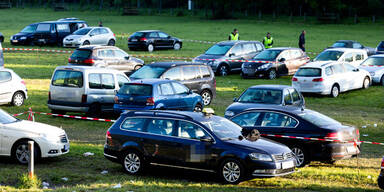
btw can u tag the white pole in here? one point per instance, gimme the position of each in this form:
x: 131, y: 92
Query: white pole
x: 31, y: 159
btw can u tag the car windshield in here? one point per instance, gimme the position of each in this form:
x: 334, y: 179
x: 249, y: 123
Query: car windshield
x: 29, y: 29
x: 265, y: 96
x: 267, y: 55
x: 148, y: 72
x: 308, y: 72
x: 329, y: 56
x: 82, y: 31
x: 375, y: 61
x: 339, y: 44
x: 136, y: 89
x: 5, y: 118
x: 218, y: 49
x: 318, y: 118
x: 223, y: 128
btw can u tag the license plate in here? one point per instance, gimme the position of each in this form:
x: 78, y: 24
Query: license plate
x: 15, y: 41
x: 287, y: 164
x: 351, y: 149
x: 134, y: 39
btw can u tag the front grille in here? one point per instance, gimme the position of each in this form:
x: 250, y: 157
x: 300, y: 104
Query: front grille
x: 63, y: 138
x: 282, y: 171
x: 283, y: 156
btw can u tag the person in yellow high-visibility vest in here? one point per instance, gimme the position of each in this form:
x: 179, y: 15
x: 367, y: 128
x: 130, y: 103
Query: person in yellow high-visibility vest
x: 234, y: 36
x: 268, y: 41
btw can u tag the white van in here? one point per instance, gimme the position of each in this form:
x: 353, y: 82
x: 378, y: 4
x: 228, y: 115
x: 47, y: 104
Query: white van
x: 84, y: 89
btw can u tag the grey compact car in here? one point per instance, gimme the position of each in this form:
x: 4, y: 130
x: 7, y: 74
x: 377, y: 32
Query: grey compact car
x: 90, y: 36
x: 375, y: 66
x: 221, y: 55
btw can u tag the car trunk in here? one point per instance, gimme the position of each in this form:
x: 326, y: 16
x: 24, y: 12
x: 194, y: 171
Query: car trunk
x: 81, y: 57
x: 307, y: 77
x: 135, y: 95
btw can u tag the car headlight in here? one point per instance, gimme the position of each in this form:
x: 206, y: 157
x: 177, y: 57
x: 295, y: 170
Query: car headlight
x: 260, y: 157
x: 229, y: 113
x: 23, y: 38
x: 265, y: 66
x: 372, y: 73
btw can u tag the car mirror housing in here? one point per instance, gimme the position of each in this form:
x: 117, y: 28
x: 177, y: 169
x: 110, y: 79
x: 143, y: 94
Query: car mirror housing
x: 190, y: 91
x: 288, y: 103
x: 169, y: 37
x: 232, y: 54
x: 206, y: 139
x: 356, y: 70
x: 126, y: 57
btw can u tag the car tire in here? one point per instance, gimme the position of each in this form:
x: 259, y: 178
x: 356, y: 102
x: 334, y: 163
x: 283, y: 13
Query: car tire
x: 94, y: 110
x: 198, y: 108
x: 272, y: 74
x: 366, y: 83
x: 86, y: 43
x: 133, y: 162
x: 301, y: 155
x: 176, y: 46
x: 20, y: 152
x: 18, y: 99
x: 380, y: 182
x: 223, y: 70
x: 137, y: 67
x: 231, y: 171
x: 111, y: 42
x: 206, y: 95
x: 150, y: 48
x: 335, y: 91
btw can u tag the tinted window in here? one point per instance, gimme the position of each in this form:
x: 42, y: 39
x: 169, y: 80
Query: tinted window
x: 81, y: 54
x: 63, y: 28
x: 68, y: 78
x: 148, y: 72
x: 267, y: 55
x: 120, y: 54
x: 249, y: 48
x: 266, y: 96
x: 205, y: 71
x: 359, y: 57
x: 339, y: 44
x: 328, y: 71
x: 82, y: 31
x: 278, y: 120
x: 218, y: 50
x: 348, y: 57
x: 190, y: 131
x: 166, y: 89
x: 153, y: 35
x: 101, y: 81
x: 357, y: 45
x: 287, y: 97
x: 237, y: 50
x: 161, y: 126
x: 318, y: 118
x: 138, y: 34
x: 136, y: 89
x: 29, y: 29
x: 247, y: 119
x: 259, y: 47
x: 380, y: 47
x: 308, y: 72
x: 173, y: 74
x: 121, y: 80
x: 179, y: 88
x: 5, y: 76
x: 329, y: 56
x: 103, y: 31
x: 373, y: 61
x: 295, y: 95
x: 133, y: 124
x: 223, y: 128
x: 337, y: 68
x: 163, y: 35
x: 191, y: 72
x: 43, y: 27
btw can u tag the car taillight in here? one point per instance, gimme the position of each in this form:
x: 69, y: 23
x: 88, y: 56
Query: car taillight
x: 143, y: 39
x: 357, y: 132
x: 382, y: 163
x: 150, y: 101
x: 317, y: 79
x: 108, y: 137
x: 116, y: 99
x: 89, y: 61
x: 69, y: 60
x: 49, y: 95
x: 84, y: 98
x: 114, y: 35
x: 294, y: 79
x: 333, y: 136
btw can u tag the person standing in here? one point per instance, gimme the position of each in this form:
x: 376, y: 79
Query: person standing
x: 234, y: 36
x: 268, y: 41
x: 100, y: 23
x: 302, y: 40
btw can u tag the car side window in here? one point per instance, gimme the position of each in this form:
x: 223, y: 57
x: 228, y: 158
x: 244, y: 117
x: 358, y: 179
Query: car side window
x: 348, y: 57
x: 101, y: 81
x: 5, y: 76
x: 120, y: 54
x: 359, y: 57
x: 163, y: 35
x: 153, y: 35
x: 161, y: 126
x: 173, y: 73
x: 295, y: 95
x: 103, y: 31
x: 121, y: 80
x: 247, y: 119
x: 338, y: 68
x: 109, y: 53
x: 133, y: 124
x: 166, y: 89
x: 237, y: 49
x: 205, y: 72
x: 190, y: 131
x: 357, y: 46
x: 296, y: 54
x: 191, y: 72
x: 249, y: 48
x: 287, y: 97
x: 259, y: 47
x: 179, y: 88
x: 285, y: 55
x: 328, y: 71
x: 63, y: 28
x: 349, y: 67
x: 272, y: 119
x: 107, y: 81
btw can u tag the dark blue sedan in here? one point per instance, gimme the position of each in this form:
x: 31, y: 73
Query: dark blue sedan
x: 148, y: 94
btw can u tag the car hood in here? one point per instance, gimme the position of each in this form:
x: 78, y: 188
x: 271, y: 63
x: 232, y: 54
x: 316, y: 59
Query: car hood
x: 136, y: 60
x: 238, y: 107
x: 254, y: 64
x: 36, y: 128
x: 74, y: 37
x: 22, y: 34
x: 204, y: 56
x: 260, y: 145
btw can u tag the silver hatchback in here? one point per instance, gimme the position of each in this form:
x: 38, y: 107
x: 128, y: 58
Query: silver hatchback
x: 90, y: 36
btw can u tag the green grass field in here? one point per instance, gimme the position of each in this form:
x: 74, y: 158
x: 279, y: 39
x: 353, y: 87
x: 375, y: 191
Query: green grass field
x: 358, y: 108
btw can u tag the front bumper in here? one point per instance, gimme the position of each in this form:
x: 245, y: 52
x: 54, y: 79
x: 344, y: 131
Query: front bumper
x: 253, y: 72
x: 271, y: 168
x: 54, y: 149
x: 71, y: 44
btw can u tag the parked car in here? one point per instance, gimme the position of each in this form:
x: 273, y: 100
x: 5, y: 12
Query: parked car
x: 299, y: 122
x: 380, y: 48
x: 47, y: 32
x: 1, y: 51
x: 282, y: 95
x: 353, y: 45
x: 50, y: 141
x: 380, y: 179
x: 105, y: 56
x: 375, y: 66
x: 153, y: 39
x: 148, y: 94
x: 84, y: 89
x: 1, y: 37
x: 221, y: 55
x: 12, y: 88
x: 90, y: 36
x: 196, y: 76
x: 330, y: 78
x: 193, y: 141
x: 352, y: 56
x: 278, y: 61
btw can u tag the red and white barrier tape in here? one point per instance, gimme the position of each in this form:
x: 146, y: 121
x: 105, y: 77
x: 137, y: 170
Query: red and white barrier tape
x: 236, y: 60
x: 163, y: 57
x: 67, y: 116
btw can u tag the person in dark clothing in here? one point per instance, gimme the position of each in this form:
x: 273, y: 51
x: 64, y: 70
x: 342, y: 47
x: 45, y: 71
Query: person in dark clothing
x: 100, y: 24
x: 302, y: 41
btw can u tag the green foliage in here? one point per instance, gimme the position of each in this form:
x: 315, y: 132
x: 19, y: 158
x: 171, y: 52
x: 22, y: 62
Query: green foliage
x: 25, y: 182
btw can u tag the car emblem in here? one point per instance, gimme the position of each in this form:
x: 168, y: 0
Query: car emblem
x: 131, y: 98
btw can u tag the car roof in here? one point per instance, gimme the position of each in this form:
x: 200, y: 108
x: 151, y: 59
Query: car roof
x: 184, y: 115
x: 86, y: 68
x: 63, y: 21
x: 91, y: 47
x: 342, y: 49
x: 278, y: 108
x: 151, y: 81
x: 272, y: 87
x: 281, y: 48
x: 319, y: 64
x: 346, y: 41
x: 235, y: 42
x: 148, y: 31
x: 169, y: 64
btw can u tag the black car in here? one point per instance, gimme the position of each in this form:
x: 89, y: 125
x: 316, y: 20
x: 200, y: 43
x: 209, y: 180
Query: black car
x: 352, y: 44
x: 196, y: 76
x: 47, y: 32
x: 153, y: 39
x: 380, y: 48
x: 302, y: 123
x: 1, y: 50
x: 380, y: 179
x: 221, y: 56
x: 1, y: 37
x: 196, y: 141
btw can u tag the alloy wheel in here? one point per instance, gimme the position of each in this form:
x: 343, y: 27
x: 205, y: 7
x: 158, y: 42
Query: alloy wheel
x: 22, y: 153
x: 223, y: 70
x: 366, y: 83
x: 207, y: 97
x: 132, y: 163
x: 176, y: 46
x: 150, y: 48
x: 18, y: 99
x: 231, y: 172
x: 272, y: 74
x: 300, y: 156
x: 335, y: 91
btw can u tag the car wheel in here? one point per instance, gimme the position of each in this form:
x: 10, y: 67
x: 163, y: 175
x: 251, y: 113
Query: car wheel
x: 176, y: 46
x: 111, y: 42
x: 150, y: 48
x: 206, y: 95
x: 301, y: 156
x: 133, y: 162
x: 18, y: 99
x: 223, y: 70
x: 231, y: 171
x: 137, y: 67
x: 94, y: 110
x: 335, y: 91
x: 86, y: 43
x: 366, y: 83
x: 20, y: 152
x: 198, y: 108
x: 272, y: 74
x: 380, y: 182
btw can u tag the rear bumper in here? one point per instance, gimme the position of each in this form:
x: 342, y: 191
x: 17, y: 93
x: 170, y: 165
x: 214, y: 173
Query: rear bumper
x: 68, y: 106
x: 119, y: 108
x: 322, y: 90
x: 340, y: 151
x: 111, y: 155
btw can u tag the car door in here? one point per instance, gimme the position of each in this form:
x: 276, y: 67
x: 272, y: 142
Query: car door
x: 297, y: 98
x: 124, y: 62
x: 355, y: 77
x: 94, y: 36
x: 192, y: 77
x: 110, y: 59
x: 284, y: 62
x: 6, y: 87
x: 62, y: 31
x: 300, y: 59
x: 168, y: 97
x: 165, y: 40
x: 185, y: 100
x: 154, y: 38
x: 236, y: 53
x: 102, y: 89
x: 340, y: 77
x: 104, y: 36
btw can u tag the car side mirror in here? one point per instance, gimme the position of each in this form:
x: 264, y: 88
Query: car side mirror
x: 356, y: 70
x: 234, y: 99
x: 126, y: 57
x: 206, y: 139
x: 232, y: 54
x: 282, y: 60
x: 190, y: 91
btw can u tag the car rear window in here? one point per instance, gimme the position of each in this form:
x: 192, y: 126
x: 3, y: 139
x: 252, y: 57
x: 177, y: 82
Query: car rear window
x: 339, y: 44
x: 148, y: 72
x: 81, y: 54
x: 136, y: 89
x: 318, y: 118
x: 265, y: 96
x: 329, y: 55
x: 43, y: 27
x: 308, y: 72
x: 380, y: 47
x: 375, y: 61
x: 66, y: 78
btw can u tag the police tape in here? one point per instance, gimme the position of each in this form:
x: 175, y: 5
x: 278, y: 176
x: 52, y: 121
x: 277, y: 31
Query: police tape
x: 66, y: 116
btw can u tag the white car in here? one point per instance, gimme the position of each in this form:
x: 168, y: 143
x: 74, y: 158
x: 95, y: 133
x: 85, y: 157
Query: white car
x: 12, y: 88
x: 330, y: 78
x: 346, y: 55
x: 49, y: 141
x: 375, y: 66
x: 90, y: 36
